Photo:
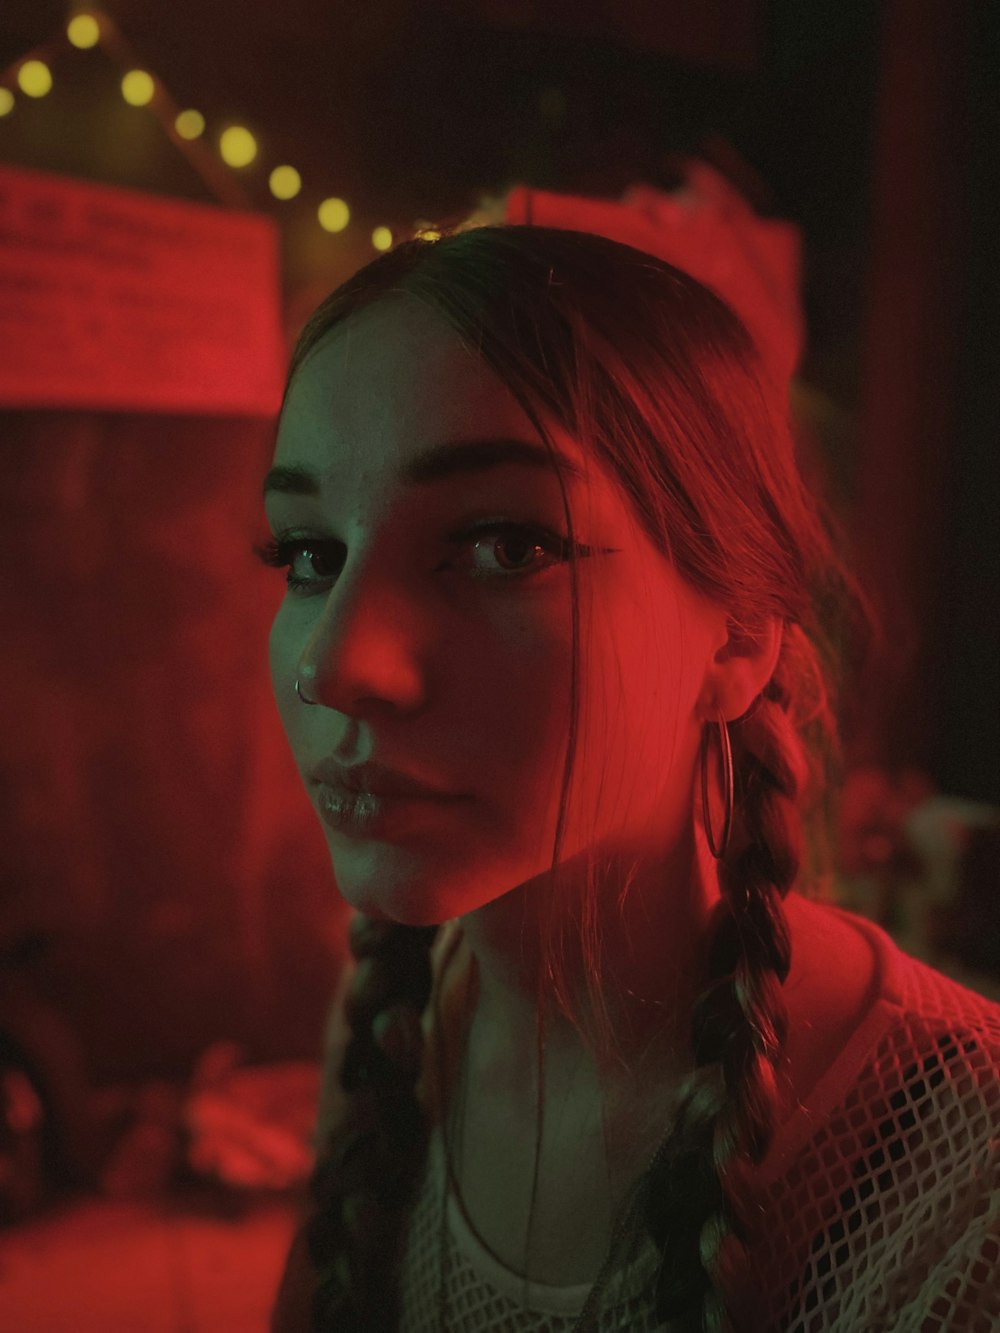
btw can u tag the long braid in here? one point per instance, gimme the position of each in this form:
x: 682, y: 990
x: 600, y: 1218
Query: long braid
x: 694, y: 1197
x: 368, y: 1174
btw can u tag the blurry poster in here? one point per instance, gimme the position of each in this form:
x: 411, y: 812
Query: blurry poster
x: 113, y: 299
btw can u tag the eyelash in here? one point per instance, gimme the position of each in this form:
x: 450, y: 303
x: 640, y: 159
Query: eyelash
x: 281, y: 554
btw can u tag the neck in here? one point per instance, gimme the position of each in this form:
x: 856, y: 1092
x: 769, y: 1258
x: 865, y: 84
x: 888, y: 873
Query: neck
x: 647, y: 973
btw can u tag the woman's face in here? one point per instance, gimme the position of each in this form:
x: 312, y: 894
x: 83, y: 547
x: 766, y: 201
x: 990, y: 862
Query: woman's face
x: 464, y: 681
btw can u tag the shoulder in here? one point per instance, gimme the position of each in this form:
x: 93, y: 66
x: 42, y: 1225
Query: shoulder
x: 946, y: 1041
x: 904, y: 1023
x: 928, y: 1093
x: 888, y: 1192
x: 941, y: 1064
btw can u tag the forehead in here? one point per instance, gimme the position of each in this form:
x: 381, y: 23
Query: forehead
x: 389, y: 384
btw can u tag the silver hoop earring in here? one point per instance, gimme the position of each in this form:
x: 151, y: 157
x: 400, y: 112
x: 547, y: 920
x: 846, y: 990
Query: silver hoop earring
x: 727, y: 786
x: 301, y: 695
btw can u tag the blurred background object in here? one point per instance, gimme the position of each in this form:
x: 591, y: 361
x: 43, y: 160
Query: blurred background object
x: 170, y: 935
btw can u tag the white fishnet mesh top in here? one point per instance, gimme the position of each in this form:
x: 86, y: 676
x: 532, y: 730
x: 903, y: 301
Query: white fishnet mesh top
x: 880, y: 1195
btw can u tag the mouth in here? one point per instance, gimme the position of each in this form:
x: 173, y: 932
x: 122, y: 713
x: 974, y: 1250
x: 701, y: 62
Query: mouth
x: 365, y: 813
x: 371, y: 778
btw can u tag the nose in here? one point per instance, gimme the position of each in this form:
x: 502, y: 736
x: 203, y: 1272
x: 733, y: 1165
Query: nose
x: 364, y: 647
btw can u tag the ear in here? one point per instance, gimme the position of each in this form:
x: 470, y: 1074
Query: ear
x: 740, y: 669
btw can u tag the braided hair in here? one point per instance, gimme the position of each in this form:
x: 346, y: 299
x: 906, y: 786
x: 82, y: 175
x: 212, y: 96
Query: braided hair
x: 655, y: 375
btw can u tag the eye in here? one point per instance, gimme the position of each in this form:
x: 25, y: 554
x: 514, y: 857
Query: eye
x: 283, y: 554
x: 521, y: 542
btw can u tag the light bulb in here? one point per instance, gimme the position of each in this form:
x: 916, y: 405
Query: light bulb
x: 84, y: 31
x: 138, y: 87
x: 334, y: 215
x: 189, y: 124
x: 285, y: 182
x: 237, y: 146
x: 34, y: 78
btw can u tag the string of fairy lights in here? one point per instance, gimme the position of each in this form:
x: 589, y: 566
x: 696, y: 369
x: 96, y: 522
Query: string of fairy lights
x: 236, y: 148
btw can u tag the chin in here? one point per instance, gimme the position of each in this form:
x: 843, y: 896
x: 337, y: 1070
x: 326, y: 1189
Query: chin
x: 405, y: 909
x: 408, y: 885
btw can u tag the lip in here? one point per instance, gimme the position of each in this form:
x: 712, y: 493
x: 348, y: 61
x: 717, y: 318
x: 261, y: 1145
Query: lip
x: 373, y: 778
x: 367, y: 815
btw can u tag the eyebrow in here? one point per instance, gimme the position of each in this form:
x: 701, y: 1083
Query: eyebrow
x: 457, y: 457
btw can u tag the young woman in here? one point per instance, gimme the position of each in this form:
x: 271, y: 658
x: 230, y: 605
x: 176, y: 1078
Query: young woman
x: 558, y: 665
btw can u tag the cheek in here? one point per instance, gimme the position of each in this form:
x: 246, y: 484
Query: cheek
x: 509, y: 710
x: 633, y: 735
x: 282, y: 659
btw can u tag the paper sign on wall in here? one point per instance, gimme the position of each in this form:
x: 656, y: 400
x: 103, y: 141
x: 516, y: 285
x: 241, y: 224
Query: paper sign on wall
x: 113, y: 299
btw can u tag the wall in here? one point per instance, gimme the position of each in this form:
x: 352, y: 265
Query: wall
x: 154, y: 828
